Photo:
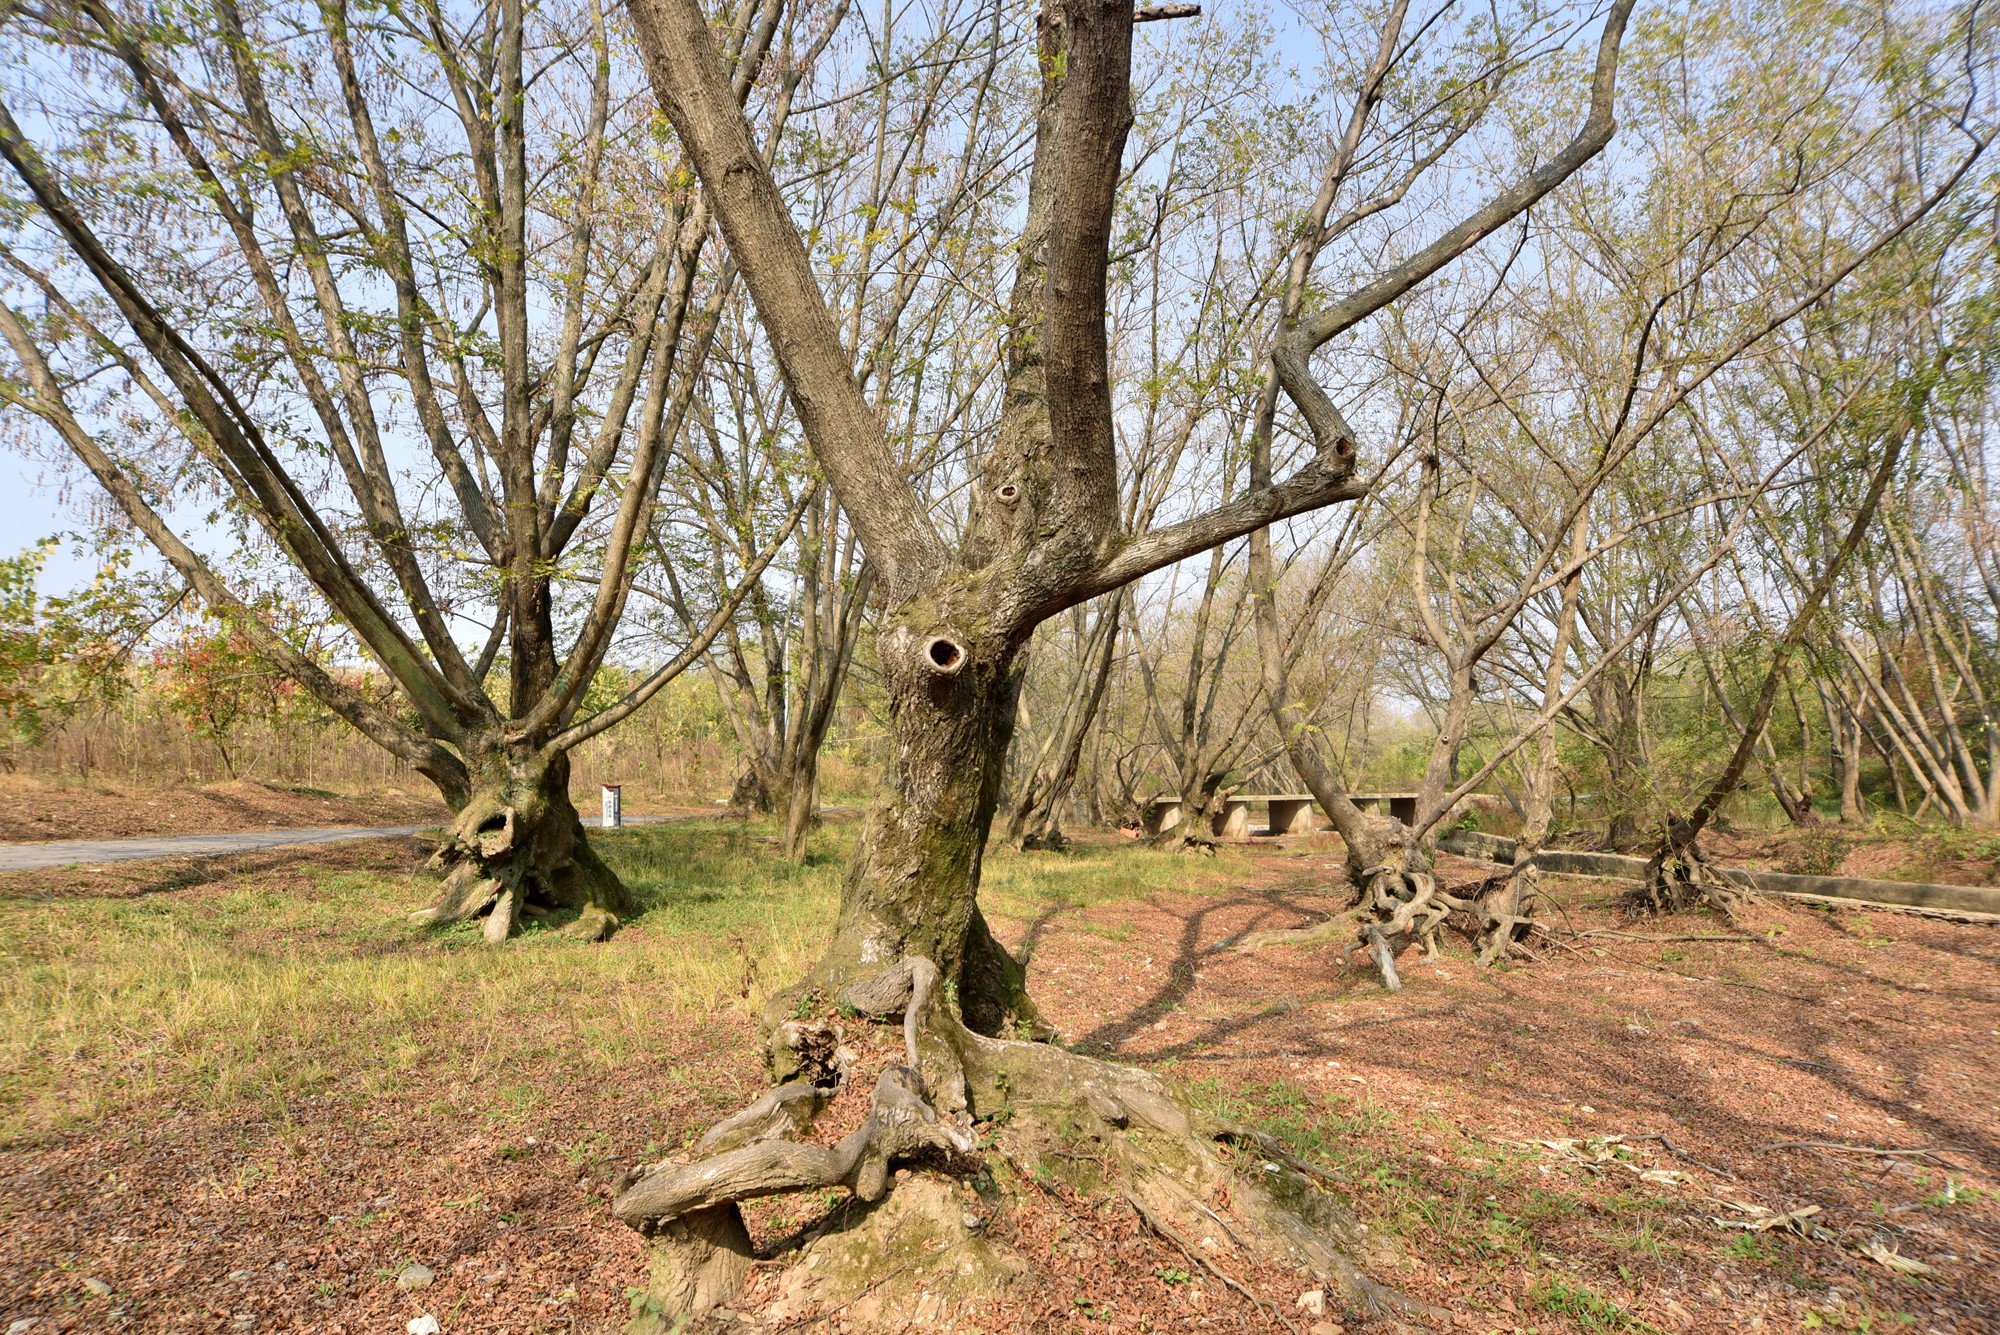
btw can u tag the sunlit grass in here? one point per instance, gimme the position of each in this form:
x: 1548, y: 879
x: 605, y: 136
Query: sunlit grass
x: 249, y: 994
x: 257, y: 995
x: 1024, y: 885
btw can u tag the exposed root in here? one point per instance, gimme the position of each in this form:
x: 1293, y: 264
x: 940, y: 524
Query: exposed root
x: 1679, y: 877
x: 790, y: 1107
x: 522, y: 855
x: 1103, y: 1131
x: 906, y: 989
x: 1399, y: 907
x: 901, y: 1126
x: 1340, y: 927
x: 1381, y: 952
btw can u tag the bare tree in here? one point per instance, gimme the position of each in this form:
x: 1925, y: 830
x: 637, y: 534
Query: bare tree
x: 450, y: 419
x: 1045, y: 535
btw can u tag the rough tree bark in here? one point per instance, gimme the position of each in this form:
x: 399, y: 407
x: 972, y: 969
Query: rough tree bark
x: 517, y: 849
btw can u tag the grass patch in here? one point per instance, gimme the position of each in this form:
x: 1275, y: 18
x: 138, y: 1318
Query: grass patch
x: 1478, y: 1207
x: 255, y: 991
x: 1580, y: 1303
x: 1027, y: 885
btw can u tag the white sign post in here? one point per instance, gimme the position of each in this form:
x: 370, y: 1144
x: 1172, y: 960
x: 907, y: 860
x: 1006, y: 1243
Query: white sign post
x: 614, y: 806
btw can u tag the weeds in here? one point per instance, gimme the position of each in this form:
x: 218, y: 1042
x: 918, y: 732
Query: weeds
x: 1818, y: 852
x: 1583, y: 1305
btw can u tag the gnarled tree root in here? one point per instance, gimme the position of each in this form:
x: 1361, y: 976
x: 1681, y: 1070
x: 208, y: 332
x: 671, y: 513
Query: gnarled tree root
x: 509, y: 862
x: 1679, y: 877
x: 900, y: 1126
x: 1398, y: 908
x: 1054, y: 1120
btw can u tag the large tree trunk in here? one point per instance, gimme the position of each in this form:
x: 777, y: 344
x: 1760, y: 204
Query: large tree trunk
x: 517, y: 849
x: 951, y: 702
x: 1046, y: 536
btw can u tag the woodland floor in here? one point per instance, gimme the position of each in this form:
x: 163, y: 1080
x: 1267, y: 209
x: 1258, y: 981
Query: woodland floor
x: 1888, y: 848
x: 240, y: 1094
x: 35, y: 810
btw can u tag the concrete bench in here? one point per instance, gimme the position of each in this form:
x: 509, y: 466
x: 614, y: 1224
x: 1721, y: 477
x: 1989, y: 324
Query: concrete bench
x: 1286, y: 813
x: 1398, y: 806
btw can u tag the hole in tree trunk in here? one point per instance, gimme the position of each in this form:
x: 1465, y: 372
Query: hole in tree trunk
x: 1009, y: 494
x: 493, y: 824
x: 945, y: 655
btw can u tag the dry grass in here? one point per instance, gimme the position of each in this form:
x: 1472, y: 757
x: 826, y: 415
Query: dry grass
x: 278, y: 1068
x: 255, y: 991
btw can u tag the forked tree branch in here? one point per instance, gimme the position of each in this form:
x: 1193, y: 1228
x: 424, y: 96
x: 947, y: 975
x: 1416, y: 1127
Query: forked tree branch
x: 1314, y: 486
x: 693, y: 89
x: 1292, y: 355
x: 46, y: 400
x: 251, y: 468
x: 635, y: 699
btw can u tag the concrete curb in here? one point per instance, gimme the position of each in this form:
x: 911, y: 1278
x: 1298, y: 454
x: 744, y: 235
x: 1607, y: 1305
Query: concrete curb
x: 1899, y: 894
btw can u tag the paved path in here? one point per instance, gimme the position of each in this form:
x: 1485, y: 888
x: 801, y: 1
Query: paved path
x: 38, y: 857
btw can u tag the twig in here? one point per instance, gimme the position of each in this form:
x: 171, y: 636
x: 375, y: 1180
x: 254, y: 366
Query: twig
x: 1680, y: 1153
x: 1167, y: 1231
x: 1659, y: 940
x: 1934, y: 1151
x: 1556, y: 940
x: 1270, y: 1148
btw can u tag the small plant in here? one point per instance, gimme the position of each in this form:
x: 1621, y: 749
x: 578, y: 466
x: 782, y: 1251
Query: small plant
x: 1749, y: 1247
x: 1952, y: 1194
x: 1816, y: 853
x: 1590, y: 1310
x: 1169, y: 1275
x: 644, y: 1305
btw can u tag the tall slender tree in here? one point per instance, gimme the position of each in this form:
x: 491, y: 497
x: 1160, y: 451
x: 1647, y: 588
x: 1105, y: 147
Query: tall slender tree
x: 1045, y: 535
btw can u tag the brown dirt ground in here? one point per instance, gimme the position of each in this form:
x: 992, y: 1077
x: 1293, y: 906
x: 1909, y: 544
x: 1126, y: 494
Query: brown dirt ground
x: 299, y: 1219
x: 1936, y: 856
x: 1853, y: 1027
x: 34, y: 810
